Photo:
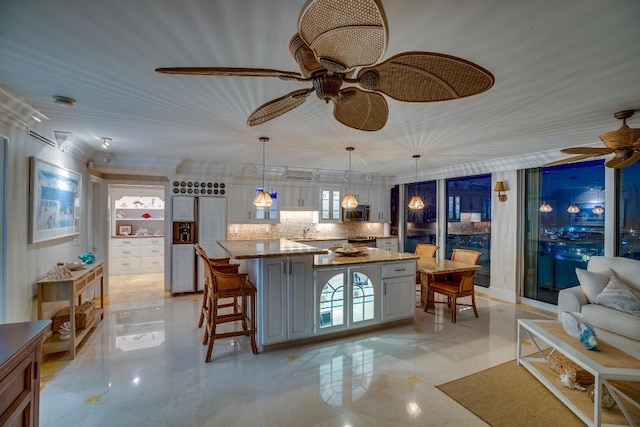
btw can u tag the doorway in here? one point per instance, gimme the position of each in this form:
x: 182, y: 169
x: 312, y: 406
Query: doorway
x: 136, y: 243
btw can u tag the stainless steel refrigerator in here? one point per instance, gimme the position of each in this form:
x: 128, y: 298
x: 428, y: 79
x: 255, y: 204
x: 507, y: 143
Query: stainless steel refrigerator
x: 200, y: 220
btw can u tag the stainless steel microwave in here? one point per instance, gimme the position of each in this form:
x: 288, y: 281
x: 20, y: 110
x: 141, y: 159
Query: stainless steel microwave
x: 358, y: 214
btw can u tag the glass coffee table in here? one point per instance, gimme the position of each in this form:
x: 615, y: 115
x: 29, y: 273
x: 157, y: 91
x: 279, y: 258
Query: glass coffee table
x: 611, y: 367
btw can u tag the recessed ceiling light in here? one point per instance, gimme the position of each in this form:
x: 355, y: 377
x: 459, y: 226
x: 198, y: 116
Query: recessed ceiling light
x: 105, y: 142
x: 64, y: 100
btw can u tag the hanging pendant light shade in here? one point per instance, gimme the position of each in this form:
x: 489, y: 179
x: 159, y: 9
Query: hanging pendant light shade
x: 416, y: 202
x: 349, y: 201
x: 263, y: 199
x: 573, y: 208
x: 545, y: 207
x: 598, y: 209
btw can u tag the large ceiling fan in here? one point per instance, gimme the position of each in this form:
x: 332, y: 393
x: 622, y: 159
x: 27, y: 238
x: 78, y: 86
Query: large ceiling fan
x: 334, y: 38
x: 623, y: 142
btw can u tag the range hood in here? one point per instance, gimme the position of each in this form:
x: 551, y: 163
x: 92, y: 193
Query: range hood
x: 297, y: 175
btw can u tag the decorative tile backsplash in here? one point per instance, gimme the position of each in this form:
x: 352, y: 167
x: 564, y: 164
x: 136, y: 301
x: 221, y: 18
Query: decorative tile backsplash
x: 292, y: 224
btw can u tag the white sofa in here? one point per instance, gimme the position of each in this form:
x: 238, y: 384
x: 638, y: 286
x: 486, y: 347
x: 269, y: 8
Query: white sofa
x: 615, y: 327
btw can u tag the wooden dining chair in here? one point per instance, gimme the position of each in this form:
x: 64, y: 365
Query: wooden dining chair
x: 221, y: 264
x: 464, y: 287
x: 233, y: 287
x: 466, y: 256
x: 424, y: 250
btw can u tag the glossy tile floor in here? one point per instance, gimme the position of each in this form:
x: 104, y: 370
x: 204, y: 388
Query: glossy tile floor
x: 144, y: 366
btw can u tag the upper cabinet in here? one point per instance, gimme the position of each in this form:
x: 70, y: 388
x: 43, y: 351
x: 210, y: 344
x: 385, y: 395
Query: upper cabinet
x: 241, y: 209
x: 379, y: 206
x: 304, y: 198
x: 330, y: 205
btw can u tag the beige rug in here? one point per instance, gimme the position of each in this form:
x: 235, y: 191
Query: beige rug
x: 508, y: 395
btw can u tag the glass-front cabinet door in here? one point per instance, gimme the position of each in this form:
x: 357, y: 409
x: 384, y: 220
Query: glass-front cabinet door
x: 347, y: 298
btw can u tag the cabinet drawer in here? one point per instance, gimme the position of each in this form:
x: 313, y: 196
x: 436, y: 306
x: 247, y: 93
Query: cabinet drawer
x: 152, y: 251
x: 399, y: 269
x: 152, y: 241
x: 152, y: 262
x: 125, y: 252
x: 125, y: 242
x: 125, y: 263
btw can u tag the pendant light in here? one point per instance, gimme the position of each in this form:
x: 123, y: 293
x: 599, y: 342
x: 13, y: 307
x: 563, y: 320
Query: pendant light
x: 416, y: 202
x: 573, y: 208
x: 545, y: 207
x: 598, y: 209
x: 263, y: 199
x: 349, y: 201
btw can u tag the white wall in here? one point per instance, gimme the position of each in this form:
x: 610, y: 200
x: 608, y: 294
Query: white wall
x: 29, y: 262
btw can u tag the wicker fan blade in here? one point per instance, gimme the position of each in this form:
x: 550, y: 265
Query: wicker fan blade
x: 344, y: 33
x: 361, y: 110
x: 426, y: 77
x: 230, y: 71
x: 621, y: 162
x: 571, y: 159
x: 278, y: 107
x: 588, y: 150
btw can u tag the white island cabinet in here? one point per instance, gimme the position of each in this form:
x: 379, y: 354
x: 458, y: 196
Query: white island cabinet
x: 285, y: 297
x: 307, y: 294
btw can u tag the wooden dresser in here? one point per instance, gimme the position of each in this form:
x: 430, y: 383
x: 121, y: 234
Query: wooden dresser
x: 20, y: 360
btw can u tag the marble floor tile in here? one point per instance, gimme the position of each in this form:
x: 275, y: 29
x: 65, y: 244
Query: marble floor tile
x: 144, y: 366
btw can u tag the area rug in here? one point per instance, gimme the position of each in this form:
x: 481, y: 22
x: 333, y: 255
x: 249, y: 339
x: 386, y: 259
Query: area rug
x: 508, y: 395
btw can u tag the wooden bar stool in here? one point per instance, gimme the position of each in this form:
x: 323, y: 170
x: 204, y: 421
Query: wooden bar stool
x: 220, y: 264
x: 238, y: 288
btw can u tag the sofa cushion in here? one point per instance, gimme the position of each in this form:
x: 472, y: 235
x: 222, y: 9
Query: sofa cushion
x: 618, y: 296
x: 614, y: 321
x: 592, y: 283
x: 626, y: 269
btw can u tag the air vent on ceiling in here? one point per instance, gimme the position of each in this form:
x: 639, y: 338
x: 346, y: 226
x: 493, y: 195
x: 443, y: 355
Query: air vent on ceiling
x: 298, y: 175
x: 42, y: 139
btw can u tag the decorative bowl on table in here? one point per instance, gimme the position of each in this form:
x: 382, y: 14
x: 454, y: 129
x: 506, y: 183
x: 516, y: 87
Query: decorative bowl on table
x: 73, y: 265
x: 348, y: 250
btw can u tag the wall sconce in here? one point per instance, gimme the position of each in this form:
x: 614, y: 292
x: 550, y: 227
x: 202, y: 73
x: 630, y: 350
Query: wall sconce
x: 500, y: 189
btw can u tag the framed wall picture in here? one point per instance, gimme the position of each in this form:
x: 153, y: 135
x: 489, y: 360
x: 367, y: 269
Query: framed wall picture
x: 55, y: 201
x: 124, y: 230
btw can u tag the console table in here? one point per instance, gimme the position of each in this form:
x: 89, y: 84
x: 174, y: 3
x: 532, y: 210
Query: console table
x: 20, y: 360
x: 611, y: 367
x: 71, y: 289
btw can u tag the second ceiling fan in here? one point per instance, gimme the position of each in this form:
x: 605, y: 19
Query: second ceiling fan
x: 337, y: 36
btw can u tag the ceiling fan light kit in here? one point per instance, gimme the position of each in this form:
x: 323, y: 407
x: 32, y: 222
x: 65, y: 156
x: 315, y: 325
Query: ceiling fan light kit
x: 336, y: 37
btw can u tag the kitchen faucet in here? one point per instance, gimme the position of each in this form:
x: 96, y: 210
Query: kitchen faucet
x: 304, y: 232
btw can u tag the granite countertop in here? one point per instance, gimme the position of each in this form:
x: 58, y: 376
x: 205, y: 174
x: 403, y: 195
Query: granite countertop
x: 265, y: 248
x: 370, y: 255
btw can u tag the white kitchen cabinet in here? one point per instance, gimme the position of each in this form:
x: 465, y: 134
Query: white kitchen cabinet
x: 398, y: 290
x: 329, y: 208
x: 379, y: 206
x: 347, y: 298
x: 183, y: 209
x: 136, y: 255
x: 300, y: 198
x: 242, y: 210
x: 183, y: 269
x: 387, y: 243
x: 285, y: 297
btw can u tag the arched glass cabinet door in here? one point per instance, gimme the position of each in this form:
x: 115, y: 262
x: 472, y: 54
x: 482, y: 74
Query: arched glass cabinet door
x: 362, y: 297
x: 332, y: 301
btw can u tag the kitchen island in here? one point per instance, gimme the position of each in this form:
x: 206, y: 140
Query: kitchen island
x: 307, y: 294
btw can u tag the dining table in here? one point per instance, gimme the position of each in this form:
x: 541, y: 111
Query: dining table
x: 429, y: 268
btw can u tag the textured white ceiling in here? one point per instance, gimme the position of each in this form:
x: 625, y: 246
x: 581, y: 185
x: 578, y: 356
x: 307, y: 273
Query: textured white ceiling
x: 562, y: 68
